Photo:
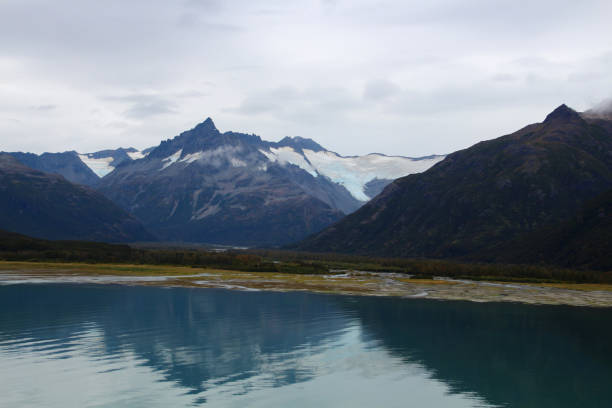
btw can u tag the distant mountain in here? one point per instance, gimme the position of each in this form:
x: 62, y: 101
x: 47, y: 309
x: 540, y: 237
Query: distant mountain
x: 48, y: 206
x: 105, y: 161
x: 363, y: 176
x: 234, y: 188
x: 86, y: 169
x: 485, y: 195
x: 66, y: 164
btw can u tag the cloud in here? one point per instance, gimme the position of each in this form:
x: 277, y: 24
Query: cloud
x: 603, y: 107
x: 289, y: 103
x: 504, y: 77
x: 42, y: 108
x: 142, y: 106
x: 403, y: 77
x: 380, y: 89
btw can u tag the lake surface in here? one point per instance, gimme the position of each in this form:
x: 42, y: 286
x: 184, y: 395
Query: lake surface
x: 128, y: 346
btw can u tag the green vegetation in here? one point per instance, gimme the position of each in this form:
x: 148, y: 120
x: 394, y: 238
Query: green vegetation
x: 428, y: 268
x: 585, y: 240
x: 15, y: 247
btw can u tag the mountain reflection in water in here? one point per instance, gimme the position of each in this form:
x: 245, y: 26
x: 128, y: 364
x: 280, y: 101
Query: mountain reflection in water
x: 106, y: 345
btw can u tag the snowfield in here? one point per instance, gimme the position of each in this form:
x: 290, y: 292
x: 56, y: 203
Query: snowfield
x: 136, y: 155
x: 104, y: 165
x: 354, y: 173
x: 99, y: 166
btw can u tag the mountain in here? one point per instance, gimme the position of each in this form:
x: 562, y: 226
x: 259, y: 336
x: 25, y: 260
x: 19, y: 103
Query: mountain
x: 485, y: 195
x: 584, y: 240
x: 86, y: 169
x: 237, y: 189
x: 48, y: 206
x: 105, y: 161
x: 66, y: 164
x: 363, y: 176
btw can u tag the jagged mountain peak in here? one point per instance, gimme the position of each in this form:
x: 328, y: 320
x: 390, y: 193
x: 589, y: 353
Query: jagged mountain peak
x: 208, y: 125
x: 300, y: 143
x: 562, y: 113
x: 235, y: 188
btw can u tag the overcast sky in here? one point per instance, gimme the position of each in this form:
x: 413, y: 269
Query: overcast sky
x: 397, y: 77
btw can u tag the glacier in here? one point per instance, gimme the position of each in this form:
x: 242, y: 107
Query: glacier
x: 101, y: 166
x: 352, y: 172
x: 105, y: 161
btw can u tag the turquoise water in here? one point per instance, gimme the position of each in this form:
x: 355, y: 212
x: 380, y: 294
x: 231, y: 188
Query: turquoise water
x: 130, y: 346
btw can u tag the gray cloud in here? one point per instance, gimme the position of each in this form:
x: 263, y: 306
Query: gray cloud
x: 380, y: 89
x: 48, y: 107
x: 142, y: 106
x: 319, y: 104
x: 604, y: 106
x: 402, y: 77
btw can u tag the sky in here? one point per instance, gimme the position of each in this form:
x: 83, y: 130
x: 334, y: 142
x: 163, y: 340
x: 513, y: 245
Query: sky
x: 408, y: 78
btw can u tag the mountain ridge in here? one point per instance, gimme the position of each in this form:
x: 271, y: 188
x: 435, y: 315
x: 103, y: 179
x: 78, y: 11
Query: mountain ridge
x: 484, y: 194
x: 48, y: 206
x: 235, y: 188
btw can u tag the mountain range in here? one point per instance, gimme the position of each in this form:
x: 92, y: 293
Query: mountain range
x: 477, y: 200
x: 237, y: 189
x: 86, y: 168
x: 541, y: 194
x: 48, y: 206
x: 231, y: 188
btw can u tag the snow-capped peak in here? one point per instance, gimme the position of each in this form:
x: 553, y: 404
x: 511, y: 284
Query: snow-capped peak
x: 287, y: 155
x: 354, y: 173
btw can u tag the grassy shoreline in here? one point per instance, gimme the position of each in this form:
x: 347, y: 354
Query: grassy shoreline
x: 353, y: 282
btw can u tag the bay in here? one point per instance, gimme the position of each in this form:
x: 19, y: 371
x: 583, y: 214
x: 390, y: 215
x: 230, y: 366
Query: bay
x: 79, y: 345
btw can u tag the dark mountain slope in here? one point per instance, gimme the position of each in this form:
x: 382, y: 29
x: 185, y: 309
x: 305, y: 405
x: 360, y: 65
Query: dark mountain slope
x: 484, y: 195
x: 47, y: 206
x: 585, y: 240
x: 208, y: 186
x: 66, y: 164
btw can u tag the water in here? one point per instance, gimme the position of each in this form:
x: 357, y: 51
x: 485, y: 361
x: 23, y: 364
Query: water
x: 68, y: 345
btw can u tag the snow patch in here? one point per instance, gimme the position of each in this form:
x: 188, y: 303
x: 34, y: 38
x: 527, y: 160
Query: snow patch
x: 285, y: 154
x: 171, y: 159
x: 99, y: 166
x: 269, y: 155
x: 136, y: 155
x: 191, y: 157
x: 237, y: 162
x: 206, y: 211
x: 216, y: 157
